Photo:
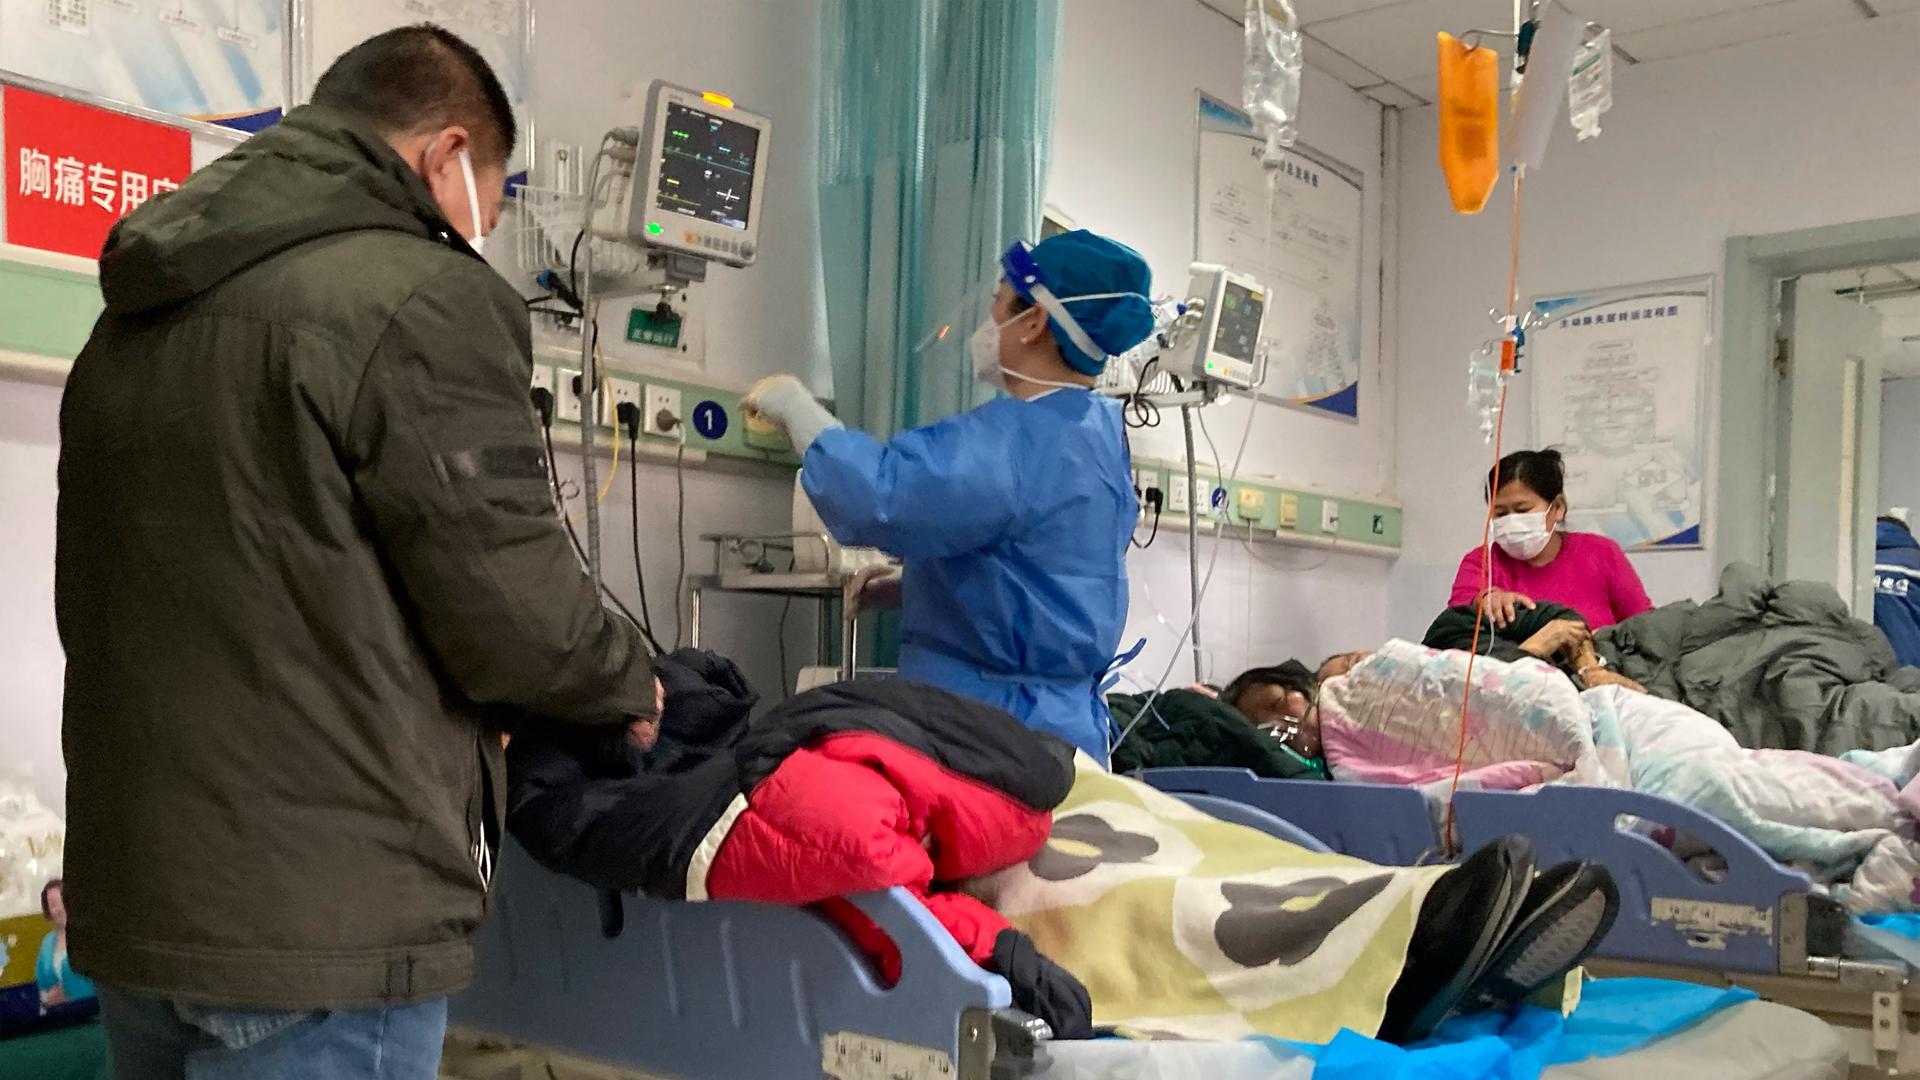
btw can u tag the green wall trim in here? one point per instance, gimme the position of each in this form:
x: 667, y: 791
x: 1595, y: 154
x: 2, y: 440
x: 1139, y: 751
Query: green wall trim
x: 46, y: 312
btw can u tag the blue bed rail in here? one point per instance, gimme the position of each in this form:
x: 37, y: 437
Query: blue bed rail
x: 1376, y: 822
x: 718, y: 990
x: 1739, y: 922
x: 1752, y: 919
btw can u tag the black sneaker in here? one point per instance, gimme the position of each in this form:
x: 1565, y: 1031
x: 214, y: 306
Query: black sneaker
x: 1463, y: 922
x: 1567, y: 913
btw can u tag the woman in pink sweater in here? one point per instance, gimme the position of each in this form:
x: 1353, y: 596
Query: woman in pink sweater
x: 1535, y: 560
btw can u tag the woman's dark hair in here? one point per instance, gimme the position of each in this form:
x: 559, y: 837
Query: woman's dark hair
x: 1544, y: 471
x: 46, y: 909
x: 1292, y: 675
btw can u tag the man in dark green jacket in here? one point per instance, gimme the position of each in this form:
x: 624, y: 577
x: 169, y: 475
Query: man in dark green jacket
x: 307, y: 568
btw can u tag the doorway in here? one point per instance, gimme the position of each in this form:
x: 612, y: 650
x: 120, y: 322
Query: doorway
x: 1805, y: 342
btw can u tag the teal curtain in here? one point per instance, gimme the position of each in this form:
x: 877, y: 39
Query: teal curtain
x: 936, y: 118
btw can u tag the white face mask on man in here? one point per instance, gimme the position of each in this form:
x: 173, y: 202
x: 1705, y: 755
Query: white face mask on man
x: 1523, y: 536
x: 478, y: 242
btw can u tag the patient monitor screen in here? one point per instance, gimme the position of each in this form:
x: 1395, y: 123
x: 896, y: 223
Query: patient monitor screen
x: 706, y: 167
x: 1238, y: 333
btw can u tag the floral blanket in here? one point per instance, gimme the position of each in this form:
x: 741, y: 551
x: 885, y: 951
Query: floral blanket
x: 1847, y: 821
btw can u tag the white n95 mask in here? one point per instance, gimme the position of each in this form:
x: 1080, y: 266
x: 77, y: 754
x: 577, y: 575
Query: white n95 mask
x: 985, y: 347
x: 1522, y: 535
x: 478, y: 242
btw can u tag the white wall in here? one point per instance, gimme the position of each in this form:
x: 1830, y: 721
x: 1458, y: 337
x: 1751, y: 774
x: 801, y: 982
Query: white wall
x: 31, y: 663
x: 1816, y: 129
x: 1900, y: 445
x: 1123, y: 163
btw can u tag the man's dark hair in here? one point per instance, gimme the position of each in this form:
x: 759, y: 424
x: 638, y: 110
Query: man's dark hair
x: 1544, y: 471
x: 421, y: 78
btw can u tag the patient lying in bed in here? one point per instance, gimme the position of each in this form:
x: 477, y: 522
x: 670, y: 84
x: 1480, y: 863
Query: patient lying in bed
x: 1394, y: 717
x: 1176, y: 924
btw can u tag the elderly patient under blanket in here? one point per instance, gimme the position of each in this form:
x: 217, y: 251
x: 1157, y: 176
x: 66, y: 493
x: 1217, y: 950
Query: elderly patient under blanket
x: 1102, y: 901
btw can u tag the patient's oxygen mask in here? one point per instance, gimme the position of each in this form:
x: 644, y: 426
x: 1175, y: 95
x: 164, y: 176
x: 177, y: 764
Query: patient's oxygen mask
x: 1469, y: 122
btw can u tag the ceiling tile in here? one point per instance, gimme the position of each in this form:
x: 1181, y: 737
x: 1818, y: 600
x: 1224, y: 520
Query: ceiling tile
x: 1390, y: 94
x: 1307, y: 11
x: 1628, y: 16
x: 1328, y: 59
x: 1737, y: 27
x: 1891, y: 7
x: 1317, y: 11
x: 1398, y: 41
x: 1427, y: 87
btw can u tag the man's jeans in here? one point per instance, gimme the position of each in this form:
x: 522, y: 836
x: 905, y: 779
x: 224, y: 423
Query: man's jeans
x: 156, y: 1038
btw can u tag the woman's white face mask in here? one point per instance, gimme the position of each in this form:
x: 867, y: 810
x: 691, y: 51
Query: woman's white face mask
x: 1523, y: 536
x: 984, y: 345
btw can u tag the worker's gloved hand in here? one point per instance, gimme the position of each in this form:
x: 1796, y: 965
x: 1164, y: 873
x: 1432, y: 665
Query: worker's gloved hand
x: 873, y: 588
x: 785, y: 402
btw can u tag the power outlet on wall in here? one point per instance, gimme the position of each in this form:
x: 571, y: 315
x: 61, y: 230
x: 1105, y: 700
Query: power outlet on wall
x: 619, y: 392
x: 566, y: 395
x: 1179, y: 496
x: 660, y: 415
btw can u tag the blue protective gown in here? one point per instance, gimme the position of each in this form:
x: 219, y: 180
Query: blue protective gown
x: 1012, y: 521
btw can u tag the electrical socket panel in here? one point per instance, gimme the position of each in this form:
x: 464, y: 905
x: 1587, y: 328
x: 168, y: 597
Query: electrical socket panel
x: 566, y: 395
x: 542, y: 379
x: 1253, y: 504
x: 1178, y: 495
x: 1289, y: 510
x: 660, y: 413
x: 619, y: 392
x: 1329, y: 516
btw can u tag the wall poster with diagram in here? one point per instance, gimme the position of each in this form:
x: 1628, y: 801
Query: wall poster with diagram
x: 1618, y: 381
x: 1300, y: 238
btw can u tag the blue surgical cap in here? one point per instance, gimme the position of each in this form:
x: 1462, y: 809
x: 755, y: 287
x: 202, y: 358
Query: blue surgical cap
x: 1080, y: 263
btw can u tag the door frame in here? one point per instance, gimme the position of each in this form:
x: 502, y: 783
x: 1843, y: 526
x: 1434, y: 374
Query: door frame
x: 1748, y: 387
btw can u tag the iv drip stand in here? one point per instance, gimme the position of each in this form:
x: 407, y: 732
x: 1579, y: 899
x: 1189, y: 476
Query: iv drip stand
x: 1194, y: 503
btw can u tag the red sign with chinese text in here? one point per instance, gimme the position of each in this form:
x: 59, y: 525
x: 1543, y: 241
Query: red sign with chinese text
x: 73, y: 170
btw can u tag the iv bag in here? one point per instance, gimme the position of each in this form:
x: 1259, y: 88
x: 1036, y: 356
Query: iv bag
x: 1590, y: 87
x: 1536, y: 105
x: 1469, y: 122
x: 1484, y: 382
x: 1271, y: 82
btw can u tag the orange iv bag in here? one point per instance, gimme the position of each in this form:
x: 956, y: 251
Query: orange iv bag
x: 1469, y: 122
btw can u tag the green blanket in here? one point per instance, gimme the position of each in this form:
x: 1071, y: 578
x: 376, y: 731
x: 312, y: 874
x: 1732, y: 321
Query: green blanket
x: 1781, y: 666
x: 1194, y: 729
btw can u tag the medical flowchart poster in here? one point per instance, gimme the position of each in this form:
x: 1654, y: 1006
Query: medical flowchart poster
x: 1618, y: 381
x: 218, y: 60
x: 500, y: 29
x: 1300, y: 237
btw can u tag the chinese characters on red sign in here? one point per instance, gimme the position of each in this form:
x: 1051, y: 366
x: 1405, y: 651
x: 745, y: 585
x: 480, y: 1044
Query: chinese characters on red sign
x: 73, y: 170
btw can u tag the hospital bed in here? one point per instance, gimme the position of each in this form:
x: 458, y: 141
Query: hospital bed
x: 733, y: 991
x: 1757, y: 924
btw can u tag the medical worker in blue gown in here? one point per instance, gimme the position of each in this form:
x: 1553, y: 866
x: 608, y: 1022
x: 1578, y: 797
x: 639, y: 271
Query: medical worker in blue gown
x: 1012, y: 519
